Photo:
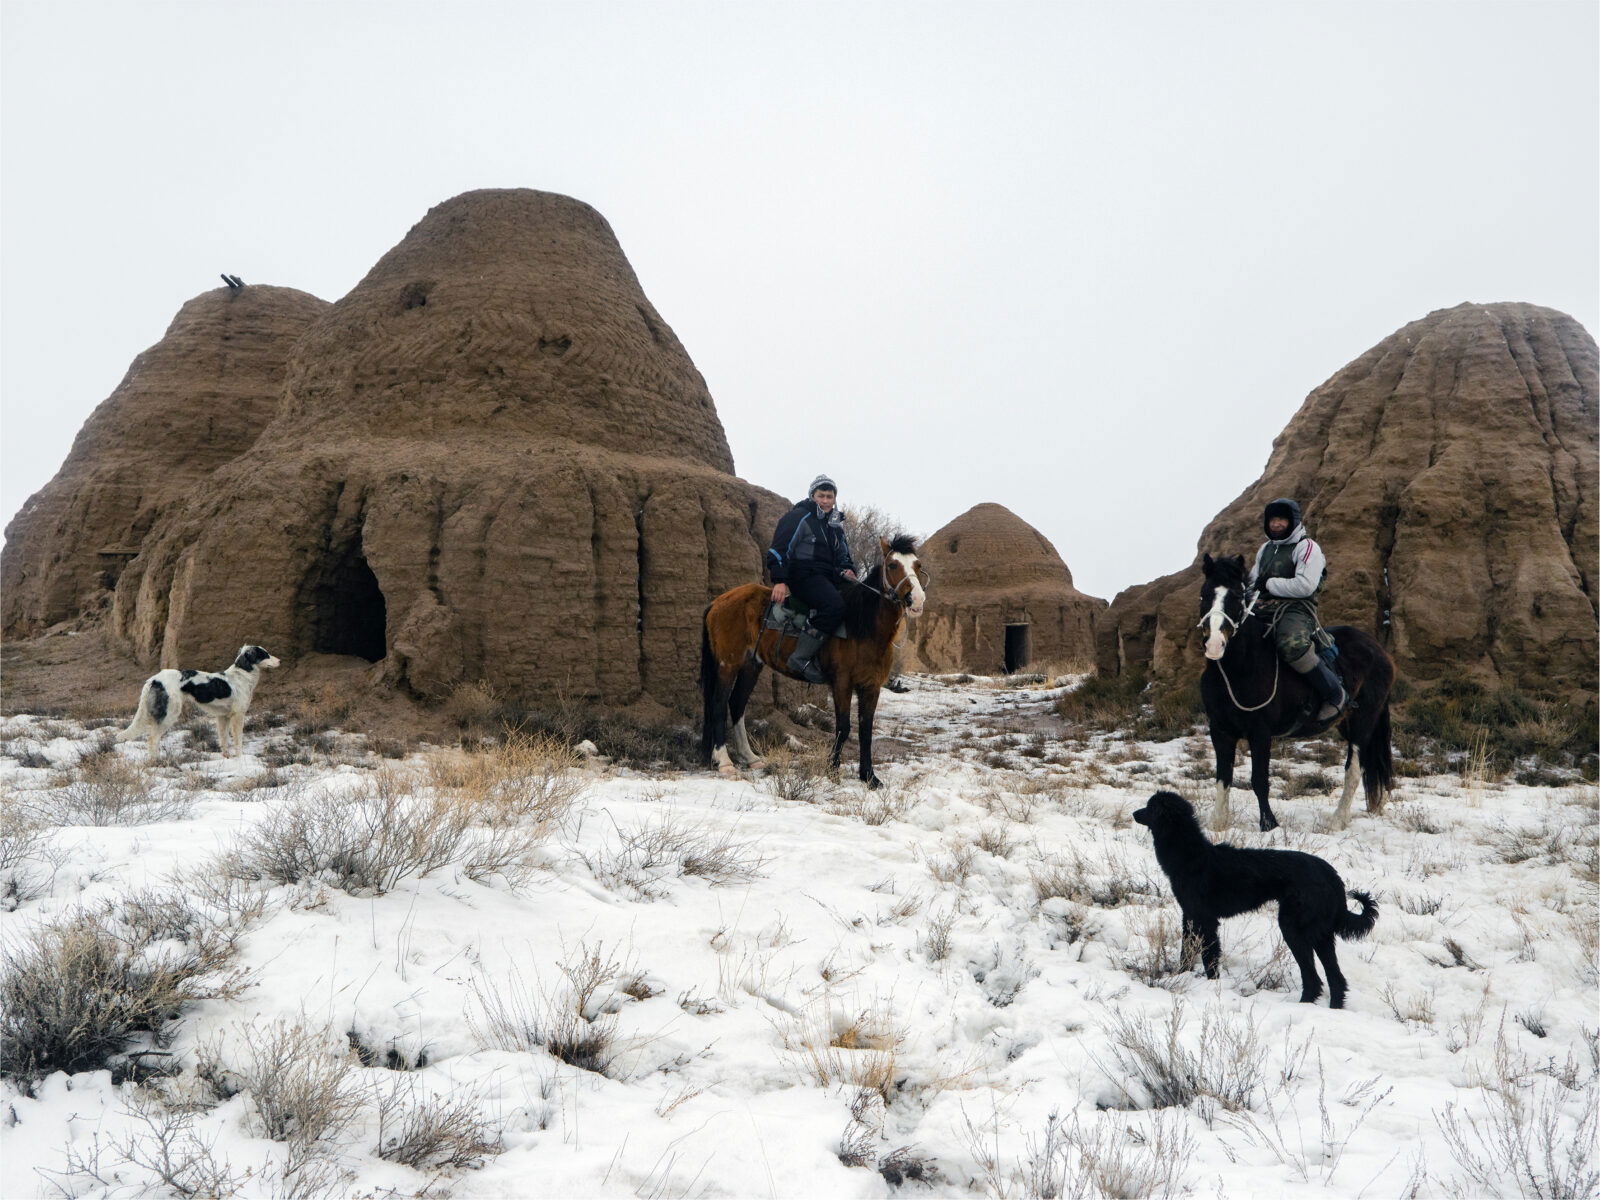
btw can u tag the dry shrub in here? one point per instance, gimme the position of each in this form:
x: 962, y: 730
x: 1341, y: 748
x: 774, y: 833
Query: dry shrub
x: 575, y: 1022
x: 107, y: 789
x: 799, y: 779
x: 957, y: 868
x: 303, y: 1081
x: 385, y: 832
x: 1107, y: 880
x: 1225, y: 1065
x: 646, y: 858
x: 430, y: 1132
x: 858, y: 1052
x: 1526, y: 1144
x: 1108, y: 1157
x: 525, y: 777
x: 1167, y: 955
x: 78, y: 993
x: 163, y: 1142
x: 877, y: 807
x: 27, y: 858
x: 995, y: 840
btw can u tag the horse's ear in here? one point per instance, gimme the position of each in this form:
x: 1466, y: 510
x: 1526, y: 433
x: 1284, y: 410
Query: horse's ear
x: 1206, y: 564
x: 1238, y: 561
x: 883, y: 545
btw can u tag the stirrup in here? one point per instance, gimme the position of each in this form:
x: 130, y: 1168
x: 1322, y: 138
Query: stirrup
x: 1329, y: 710
x: 807, y: 668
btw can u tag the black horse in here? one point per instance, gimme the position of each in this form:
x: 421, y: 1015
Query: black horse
x: 1250, y: 693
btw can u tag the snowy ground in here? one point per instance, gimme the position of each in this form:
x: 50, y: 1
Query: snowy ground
x: 960, y: 985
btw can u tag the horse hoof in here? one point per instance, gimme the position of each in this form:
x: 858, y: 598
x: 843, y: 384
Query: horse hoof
x: 759, y: 764
x: 1268, y: 824
x: 873, y: 782
x: 728, y: 771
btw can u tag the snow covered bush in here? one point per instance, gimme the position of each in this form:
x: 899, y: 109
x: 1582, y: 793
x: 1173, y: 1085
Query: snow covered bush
x: 79, y: 993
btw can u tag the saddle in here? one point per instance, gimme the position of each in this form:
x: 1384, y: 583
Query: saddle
x: 791, y: 618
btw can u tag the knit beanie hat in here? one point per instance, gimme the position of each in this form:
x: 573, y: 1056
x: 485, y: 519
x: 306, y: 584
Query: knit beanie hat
x: 821, y: 481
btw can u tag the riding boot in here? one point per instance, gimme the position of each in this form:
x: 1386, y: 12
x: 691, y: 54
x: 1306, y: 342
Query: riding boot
x: 1324, y: 682
x: 803, y: 662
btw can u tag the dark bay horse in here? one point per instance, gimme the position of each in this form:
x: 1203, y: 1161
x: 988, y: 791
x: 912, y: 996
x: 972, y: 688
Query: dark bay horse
x: 734, y: 645
x: 1250, y: 693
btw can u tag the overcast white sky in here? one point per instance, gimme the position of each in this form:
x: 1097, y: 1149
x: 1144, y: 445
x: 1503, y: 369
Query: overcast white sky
x: 1084, y: 260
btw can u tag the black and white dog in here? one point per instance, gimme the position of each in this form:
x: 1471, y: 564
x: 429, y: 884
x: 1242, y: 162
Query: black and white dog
x: 223, y: 696
x: 1211, y: 882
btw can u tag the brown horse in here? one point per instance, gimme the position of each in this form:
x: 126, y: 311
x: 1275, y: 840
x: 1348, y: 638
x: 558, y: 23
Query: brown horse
x: 735, y: 645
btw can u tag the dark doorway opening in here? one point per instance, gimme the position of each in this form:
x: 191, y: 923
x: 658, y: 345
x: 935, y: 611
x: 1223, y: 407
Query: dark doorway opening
x: 348, y: 612
x: 1016, y: 647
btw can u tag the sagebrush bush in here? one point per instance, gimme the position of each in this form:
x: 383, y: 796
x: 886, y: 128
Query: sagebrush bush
x: 386, y: 831
x: 107, y: 789
x: 27, y: 857
x: 1131, y: 703
x: 1454, y: 719
x: 574, y: 1022
x: 1225, y: 1065
x: 78, y: 993
x: 302, y: 1081
x: 647, y: 857
x: 480, y: 712
x: 432, y: 1132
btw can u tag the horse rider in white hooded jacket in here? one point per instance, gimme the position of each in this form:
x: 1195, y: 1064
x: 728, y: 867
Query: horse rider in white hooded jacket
x: 1289, y: 571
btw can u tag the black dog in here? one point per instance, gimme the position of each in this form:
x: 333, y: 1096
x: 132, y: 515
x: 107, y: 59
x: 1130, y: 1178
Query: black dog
x: 1215, y: 881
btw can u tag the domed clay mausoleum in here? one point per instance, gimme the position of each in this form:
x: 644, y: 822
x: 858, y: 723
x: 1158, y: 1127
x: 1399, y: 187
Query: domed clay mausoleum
x: 492, y: 460
x: 1004, y: 600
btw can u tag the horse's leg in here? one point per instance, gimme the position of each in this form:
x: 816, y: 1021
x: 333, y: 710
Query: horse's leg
x: 1260, y: 780
x: 841, y: 714
x: 1352, y: 776
x: 1224, y: 745
x: 743, y: 685
x: 717, y: 722
x: 866, y: 706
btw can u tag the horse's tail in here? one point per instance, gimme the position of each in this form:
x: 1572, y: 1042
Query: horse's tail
x: 1353, y: 926
x: 1377, y: 762
x: 708, y: 686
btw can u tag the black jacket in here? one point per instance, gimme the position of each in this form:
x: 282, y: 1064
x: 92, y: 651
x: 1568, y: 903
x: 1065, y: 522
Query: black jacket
x: 808, y: 543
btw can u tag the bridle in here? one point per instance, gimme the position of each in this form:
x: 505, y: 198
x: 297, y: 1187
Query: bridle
x: 1277, y: 662
x: 894, y: 596
x: 1249, y: 608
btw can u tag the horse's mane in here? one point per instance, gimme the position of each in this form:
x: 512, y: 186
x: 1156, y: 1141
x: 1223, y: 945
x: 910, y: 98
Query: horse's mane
x: 861, y: 604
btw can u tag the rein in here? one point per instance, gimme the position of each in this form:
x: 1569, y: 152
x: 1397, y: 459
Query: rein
x: 1277, y: 661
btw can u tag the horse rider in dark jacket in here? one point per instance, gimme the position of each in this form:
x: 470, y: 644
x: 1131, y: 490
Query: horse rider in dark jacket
x: 1289, y: 570
x: 808, y: 558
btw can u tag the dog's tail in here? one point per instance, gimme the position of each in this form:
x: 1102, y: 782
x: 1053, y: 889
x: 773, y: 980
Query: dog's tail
x: 147, y: 716
x: 1352, y: 926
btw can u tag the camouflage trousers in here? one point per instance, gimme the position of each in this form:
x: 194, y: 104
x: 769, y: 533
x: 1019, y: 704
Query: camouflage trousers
x: 1294, y: 625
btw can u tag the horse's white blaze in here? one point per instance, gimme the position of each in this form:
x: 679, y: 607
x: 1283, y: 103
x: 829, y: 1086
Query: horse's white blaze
x: 1216, y: 643
x: 918, y: 596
